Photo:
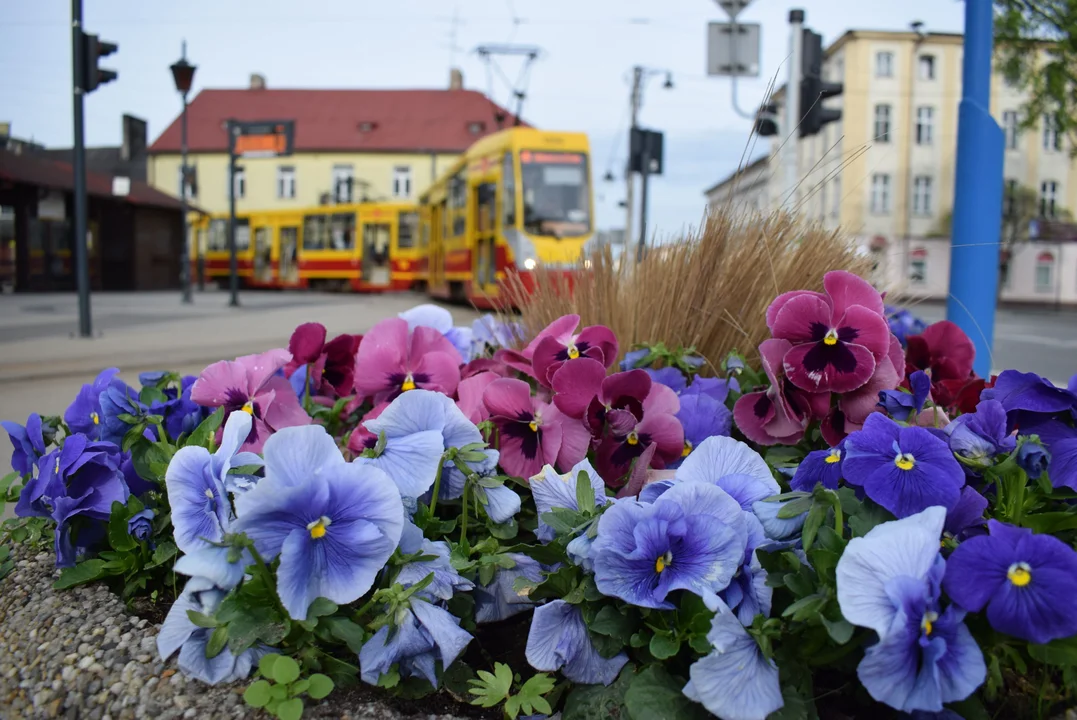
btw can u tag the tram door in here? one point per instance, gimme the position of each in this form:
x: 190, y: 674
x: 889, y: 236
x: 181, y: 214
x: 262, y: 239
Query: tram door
x: 376, y: 241
x: 263, y: 255
x: 288, y: 267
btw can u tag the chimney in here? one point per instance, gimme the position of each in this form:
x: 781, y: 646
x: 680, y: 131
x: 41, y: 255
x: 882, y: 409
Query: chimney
x: 258, y: 81
x: 134, y: 138
x: 456, y: 79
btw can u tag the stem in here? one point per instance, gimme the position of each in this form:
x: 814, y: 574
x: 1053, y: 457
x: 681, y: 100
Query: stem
x: 358, y: 615
x: 839, y: 519
x: 306, y: 391
x: 437, y: 483
x: 463, y: 512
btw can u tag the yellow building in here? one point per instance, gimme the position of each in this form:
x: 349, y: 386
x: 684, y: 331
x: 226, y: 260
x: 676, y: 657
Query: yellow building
x: 350, y: 145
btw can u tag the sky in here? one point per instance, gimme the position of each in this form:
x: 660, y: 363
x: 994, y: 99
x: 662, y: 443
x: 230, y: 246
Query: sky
x: 580, y: 83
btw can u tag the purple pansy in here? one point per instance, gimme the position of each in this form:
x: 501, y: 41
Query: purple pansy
x: 422, y: 634
x: 903, y: 469
x: 140, y: 525
x: 1027, y: 582
x: 901, y: 405
x: 748, y: 593
x: 395, y: 359
x: 558, y: 640
x: 781, y: 413
x: 702, y: 417
x: 671, y: 377
x: 84, y: 415
x: 820, y: 466
x: 1033, y: 458
x: 500, y: 599
x: 557, y: 349
x: 1027, y: 395
x: 1060, y: 440
x: 119, y: 399
x: 978, y: 437
x: 28, y: 443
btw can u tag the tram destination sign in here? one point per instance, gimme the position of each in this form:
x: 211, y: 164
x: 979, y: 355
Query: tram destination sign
x: 263, y: 138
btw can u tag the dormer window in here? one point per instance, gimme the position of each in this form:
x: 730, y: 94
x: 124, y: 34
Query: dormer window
x: 476, y: 128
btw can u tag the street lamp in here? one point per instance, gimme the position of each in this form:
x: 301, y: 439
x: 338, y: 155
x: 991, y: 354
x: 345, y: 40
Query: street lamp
x: 183, y: 75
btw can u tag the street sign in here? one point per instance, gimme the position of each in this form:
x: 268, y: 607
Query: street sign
x: 266, y: 138
x: 733, y: 7
x: 733, y: 49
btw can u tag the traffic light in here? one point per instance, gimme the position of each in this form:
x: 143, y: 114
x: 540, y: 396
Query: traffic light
x: 813, y: 91
x: 92, y: 51
x: 766, y: 120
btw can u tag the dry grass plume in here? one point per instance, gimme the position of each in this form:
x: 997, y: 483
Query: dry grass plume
x: 710, y: 291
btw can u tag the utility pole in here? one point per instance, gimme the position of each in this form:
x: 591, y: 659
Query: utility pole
x: 792, y: 109
x: 637, y: 95
x: 233, y: 265
x: 82, y: 261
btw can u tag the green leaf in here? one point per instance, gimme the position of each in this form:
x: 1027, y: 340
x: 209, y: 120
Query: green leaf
x: 840, y: 631
x: 320, y: 607
x: 795, y: 508
x: 664, y: 646
x: 1050, y: 522
x: 265, y: 665
x: 597, y: 702
x: 118, y: 537
x: 298, y: 687
x: 654, y: 694
x: 1056, y: 652
x: 812, y: 524
x: 320, y: 686
x: 217, y: 641
x: 201, y: 619
x: 867, y: 517
x: 150, y: 395
x: 562, y: 521
x: 556, y: 585
x: 805, y: 607
x: 491, y: 689
x: 290, y: 709
x: 84, y: 572
x: 610, y: 622
x: 203, y: 434
x: 165, y: 551
x: 285, y: 670
x: 257, y: 694
x: 585, y: 494
x: 346, y: 631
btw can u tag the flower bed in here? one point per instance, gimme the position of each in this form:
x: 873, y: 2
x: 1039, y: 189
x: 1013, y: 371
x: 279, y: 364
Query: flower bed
x: 550, y: 523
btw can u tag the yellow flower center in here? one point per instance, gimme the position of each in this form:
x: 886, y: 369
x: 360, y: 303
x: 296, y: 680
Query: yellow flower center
x: 96, y: 418
x: 533, y: 425
x: 831, y: 337
x: 833, y: 457
x: 1020, y: 574
x: 57, y: 468
x: 248, y: 407
x: 633, y: 438
x: 905, y: 461
x: 687, y: 449
x: 317, y: 528
x: 663, y: 562
x: 573, y: 352
x: 409, y: 383
x: 927, y: 624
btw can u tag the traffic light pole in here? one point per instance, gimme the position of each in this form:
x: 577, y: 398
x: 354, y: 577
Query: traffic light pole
x: 792, y: 109
x: 82, y: 261
x: 233, y: 269
x: 645, y: 168
x: 637, y: 91
x: 974, y: 247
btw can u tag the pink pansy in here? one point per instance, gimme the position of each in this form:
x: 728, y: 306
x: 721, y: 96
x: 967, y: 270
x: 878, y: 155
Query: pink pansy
x: 331, y: 364
x: 469, y: 394
x: 576, y: 384
x: 392, y: 360
x: 837, y: 339
x: 251, y: 384
x: 630, y: 414
x: 520, y: 360
x: 532, y: 433
x: 853, y: 408
x: 781, y: 413
x: 362, y: 439
x: 481, y: 365
x: 596, y: 342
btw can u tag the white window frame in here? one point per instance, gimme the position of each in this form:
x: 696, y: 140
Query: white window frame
x: 880, y: 194
x: 922, y: 195
x: 1010, y: 121
x: 341, y: 174
x: 882, y: 129
x: 1045, y: 284
x: 239, y: 180
x: 402, y: 181
x: 286, y: 182
x: 925, y: 125
x: 1052, y: 141
x: 884, y: 64
x: 927, y: 67
x: 918, y: 271
x: 1048, y: 198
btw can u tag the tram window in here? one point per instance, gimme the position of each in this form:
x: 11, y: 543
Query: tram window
x: 315, y: 232
x: 405, y: 238
x: 508, y: 200
x: 342, y: 231
x: 486, y: 195
x: 243, y: 235
x: 218, y: 235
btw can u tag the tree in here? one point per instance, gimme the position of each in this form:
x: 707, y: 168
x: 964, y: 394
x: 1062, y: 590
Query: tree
x: 1020, y: 206
x: 1036, y: 49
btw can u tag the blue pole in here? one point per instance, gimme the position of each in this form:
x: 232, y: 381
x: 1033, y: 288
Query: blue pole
x: 977, y: 218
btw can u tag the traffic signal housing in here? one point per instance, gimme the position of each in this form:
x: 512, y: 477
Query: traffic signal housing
x: 766, y: 120
x: 93, y: 49
x: 813, y: 90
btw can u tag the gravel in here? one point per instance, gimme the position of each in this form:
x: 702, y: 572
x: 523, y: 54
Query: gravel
x: 79, y: 654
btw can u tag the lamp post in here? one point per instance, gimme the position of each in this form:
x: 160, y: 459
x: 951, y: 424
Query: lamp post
x: 183, y: 75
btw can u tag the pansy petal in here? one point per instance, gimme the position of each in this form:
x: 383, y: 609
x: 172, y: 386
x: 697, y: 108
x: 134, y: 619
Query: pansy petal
x: 261, y: 367
x: 444, y: 628
x: 199, y: 511
x: 217, y: 384
x: 470, y: 391
x: 294, y: 454
x: 411, y: 461
x: 575, y: 384
x: 817, y: 367
x: 429, y: 316
x: 736, y: 682
x: 284, y: 409
x: 508, y: 397
x: 306, y: 342
x: 502, y: 503
x: 846, y: 290
x: 236, y: 429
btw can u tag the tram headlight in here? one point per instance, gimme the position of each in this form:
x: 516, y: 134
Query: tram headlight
x: 530, y: 264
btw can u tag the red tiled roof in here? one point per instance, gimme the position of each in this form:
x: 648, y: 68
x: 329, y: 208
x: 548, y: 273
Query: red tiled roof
x: 330, y: 120
x: 32, y: 169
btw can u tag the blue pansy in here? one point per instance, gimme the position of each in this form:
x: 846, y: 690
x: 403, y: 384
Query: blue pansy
x: 902, y: 405
x: 634, y: 358
x: 1033, y: 458
x: 890, y: 581
x: 1060, y: 441
x: 179, y: 633
x: 140, y: 525
x: 334, y: 524
x: 671, y: 377
x: 196, y: 485
x: 734, y: 680
x: 500, y: 599
x: 820, y: 466
x: 440, y: 319
x: 552, y: 490
x: 558, y: 640
x: 28, y: 443
x: 716, y: 388
x: 446, y: 581
x: 748, y: 593
x: 978, y: 437
x: 732, y: 466
x: 774, y: 527
x: 693, y: 537
x: 702, y: 417
x: 84, y: 415
x: 423, y: 634
x: 119, y: 399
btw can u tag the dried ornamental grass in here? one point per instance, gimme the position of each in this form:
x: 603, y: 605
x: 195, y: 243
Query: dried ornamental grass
x: 710, y: 291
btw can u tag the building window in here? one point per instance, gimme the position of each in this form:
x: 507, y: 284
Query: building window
x: 1045, y: 272
x: 835, y: 209
x: 1051, y: 139
x: 239, y: 182
x: 1009, y: 199
x: 1048, y: 195
x: 925, y: 125
x: 286, y: 182
x: 880, y: 194
x: 1009, y: 126
x: 884, y: 64
x: 918, y: 267
x: 927, y: 67
x: 921, y: 195
x: 402, y: 181
x: 882, y: 123
x: 192, y: 189
x: 343, y: 183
